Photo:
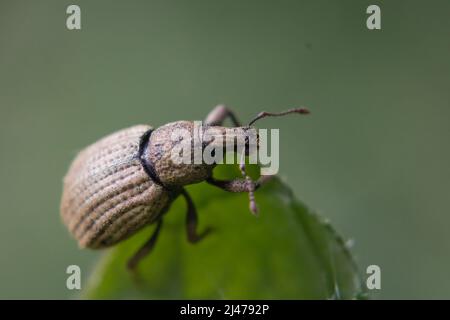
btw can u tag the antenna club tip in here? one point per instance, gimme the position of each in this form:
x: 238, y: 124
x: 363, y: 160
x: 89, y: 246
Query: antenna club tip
x: 303, y: 111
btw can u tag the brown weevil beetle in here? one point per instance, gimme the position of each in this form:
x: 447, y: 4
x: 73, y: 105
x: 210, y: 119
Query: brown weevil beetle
x: 128, y: 180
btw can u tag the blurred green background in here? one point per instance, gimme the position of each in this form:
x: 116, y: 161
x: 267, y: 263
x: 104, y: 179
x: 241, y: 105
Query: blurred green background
x: 373, y: 157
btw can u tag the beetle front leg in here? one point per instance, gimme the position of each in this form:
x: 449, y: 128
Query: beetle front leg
x: 241, y: 185
x: 218, y: 115
x: 192, y: 220
x: 237, y: 185
x: 145, y: 249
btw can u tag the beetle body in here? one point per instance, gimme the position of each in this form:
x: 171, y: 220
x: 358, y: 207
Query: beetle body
x: 109, y: 192
x: 128, y: 180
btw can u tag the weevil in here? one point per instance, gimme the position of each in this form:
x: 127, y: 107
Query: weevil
x: 127, y: 180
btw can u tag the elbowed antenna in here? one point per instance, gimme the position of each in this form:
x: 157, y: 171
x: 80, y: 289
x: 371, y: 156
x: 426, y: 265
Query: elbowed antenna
x: 265, y: 114
x: 250, y: 183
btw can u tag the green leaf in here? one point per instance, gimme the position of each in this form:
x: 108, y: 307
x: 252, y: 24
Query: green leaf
x: 287, y: 252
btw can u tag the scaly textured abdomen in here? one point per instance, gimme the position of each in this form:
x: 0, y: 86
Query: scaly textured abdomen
x: 107, y: 195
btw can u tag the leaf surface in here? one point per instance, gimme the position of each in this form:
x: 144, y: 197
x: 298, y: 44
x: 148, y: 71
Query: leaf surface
x: 287, y: 252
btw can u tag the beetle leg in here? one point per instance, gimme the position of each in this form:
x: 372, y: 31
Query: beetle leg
x: 241, y: 185
x: 218, y: 115
x: 237, y: 185
x: 250, y: 185
x: 145, y: 249
x: 192, y: 220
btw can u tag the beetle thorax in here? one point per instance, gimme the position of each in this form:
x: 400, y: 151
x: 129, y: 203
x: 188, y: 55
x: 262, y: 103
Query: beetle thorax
x: 163, y: 144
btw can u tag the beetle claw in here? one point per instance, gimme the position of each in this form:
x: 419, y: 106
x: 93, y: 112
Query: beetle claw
x: 254, y: 208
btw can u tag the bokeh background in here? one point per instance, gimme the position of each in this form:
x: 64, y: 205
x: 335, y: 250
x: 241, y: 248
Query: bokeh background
x: 373, y: 157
